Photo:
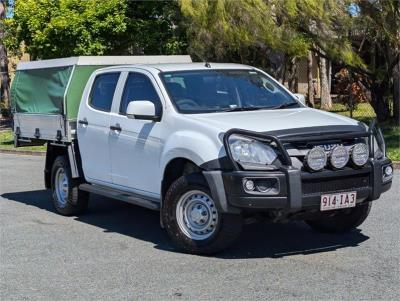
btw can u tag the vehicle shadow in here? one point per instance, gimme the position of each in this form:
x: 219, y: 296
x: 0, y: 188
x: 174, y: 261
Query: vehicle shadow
x: 258, y: 240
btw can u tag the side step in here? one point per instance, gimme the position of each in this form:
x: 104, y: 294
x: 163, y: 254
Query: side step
x: 122, y: 196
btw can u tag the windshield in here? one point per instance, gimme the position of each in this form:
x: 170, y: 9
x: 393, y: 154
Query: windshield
x: 206, y: 91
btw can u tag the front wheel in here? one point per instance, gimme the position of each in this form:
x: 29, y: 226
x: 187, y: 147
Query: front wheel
x: 67, y: 198
x: 344, y: 221
x: 192, y: 220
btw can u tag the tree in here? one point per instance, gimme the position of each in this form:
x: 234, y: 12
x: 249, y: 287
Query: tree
x: 376, y: 39
x: 154, y: 27
x: 361, y: 35
x: 61, y: 28
x: 4, y: 74
x: 396, y: 93
x: 325, y: 24
x: 270, y: 34
x: 247, y: 31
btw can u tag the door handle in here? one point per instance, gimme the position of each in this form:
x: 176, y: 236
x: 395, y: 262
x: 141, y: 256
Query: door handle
x: 84, y: 122
x: 116, y: 127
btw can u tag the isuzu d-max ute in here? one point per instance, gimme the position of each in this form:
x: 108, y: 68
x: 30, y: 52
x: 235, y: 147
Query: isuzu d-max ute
x: 208, y: 145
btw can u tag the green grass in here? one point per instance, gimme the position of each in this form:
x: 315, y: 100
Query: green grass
x: 7, y: 142
x: 392, y: 139
x: 365, y: 113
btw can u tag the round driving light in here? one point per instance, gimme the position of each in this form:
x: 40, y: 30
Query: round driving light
x: 316, y: 159
x: 388, y: 171
x: 359, y: 154
x: 339, y: 157
x: 249, y: 185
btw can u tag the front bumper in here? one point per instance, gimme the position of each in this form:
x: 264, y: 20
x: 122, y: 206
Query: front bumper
x: 298, y: 190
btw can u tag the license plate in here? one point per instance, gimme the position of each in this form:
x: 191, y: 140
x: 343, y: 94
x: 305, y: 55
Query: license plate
x: 338, y: 200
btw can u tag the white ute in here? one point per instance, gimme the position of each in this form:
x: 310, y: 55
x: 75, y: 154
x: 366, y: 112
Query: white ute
x: 208, y: 145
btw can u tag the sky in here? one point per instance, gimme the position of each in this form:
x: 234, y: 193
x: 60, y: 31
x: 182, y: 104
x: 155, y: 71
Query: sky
x: 10, y: 11
x: 354, y: 10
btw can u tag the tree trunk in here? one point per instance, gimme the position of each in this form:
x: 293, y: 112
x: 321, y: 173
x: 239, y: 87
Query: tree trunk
x: 396, y: 93
x: 310, y: 79
x: 284, y: 71
x: 4, y: 75
x: 292, y: 76
x: 379, y: 101
x: 329, y: 75
x: 326, y: 101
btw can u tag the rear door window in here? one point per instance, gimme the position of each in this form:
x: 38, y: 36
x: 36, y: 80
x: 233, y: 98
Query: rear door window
x: 103, y: 89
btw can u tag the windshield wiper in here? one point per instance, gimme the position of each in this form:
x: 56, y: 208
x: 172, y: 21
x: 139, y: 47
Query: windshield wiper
x: 285, y: 105
x: 241, y: 109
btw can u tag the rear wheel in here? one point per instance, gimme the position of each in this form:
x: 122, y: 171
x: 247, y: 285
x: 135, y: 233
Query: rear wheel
x: 192, y: 220
x: 67, y: 198
x: 346, y: 220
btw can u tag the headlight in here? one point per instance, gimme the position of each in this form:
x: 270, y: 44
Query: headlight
x: 339, y: 157
x: 251, y: 152
x: 359, y: 154
x: 316, y: 159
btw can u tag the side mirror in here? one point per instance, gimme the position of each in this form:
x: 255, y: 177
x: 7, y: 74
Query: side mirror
x: 142, y: 109
x: 301, y: 98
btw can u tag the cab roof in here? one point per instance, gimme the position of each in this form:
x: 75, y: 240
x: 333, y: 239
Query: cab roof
x: 172, y: 67
x: 198, y: 66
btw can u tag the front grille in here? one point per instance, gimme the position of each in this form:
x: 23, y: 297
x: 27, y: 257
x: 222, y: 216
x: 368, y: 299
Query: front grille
x: 325, y: 185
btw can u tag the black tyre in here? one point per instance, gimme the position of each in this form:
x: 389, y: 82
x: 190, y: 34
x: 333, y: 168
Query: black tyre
x: 192, y: 220
x: 344, y: 221
x: 67, y: 198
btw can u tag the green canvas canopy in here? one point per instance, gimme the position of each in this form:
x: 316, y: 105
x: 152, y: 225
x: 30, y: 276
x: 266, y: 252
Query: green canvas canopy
x: 55, y: 87
x: 40, y: 90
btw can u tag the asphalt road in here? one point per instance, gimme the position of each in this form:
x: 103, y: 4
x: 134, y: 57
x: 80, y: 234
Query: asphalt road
x: 118, y: 251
